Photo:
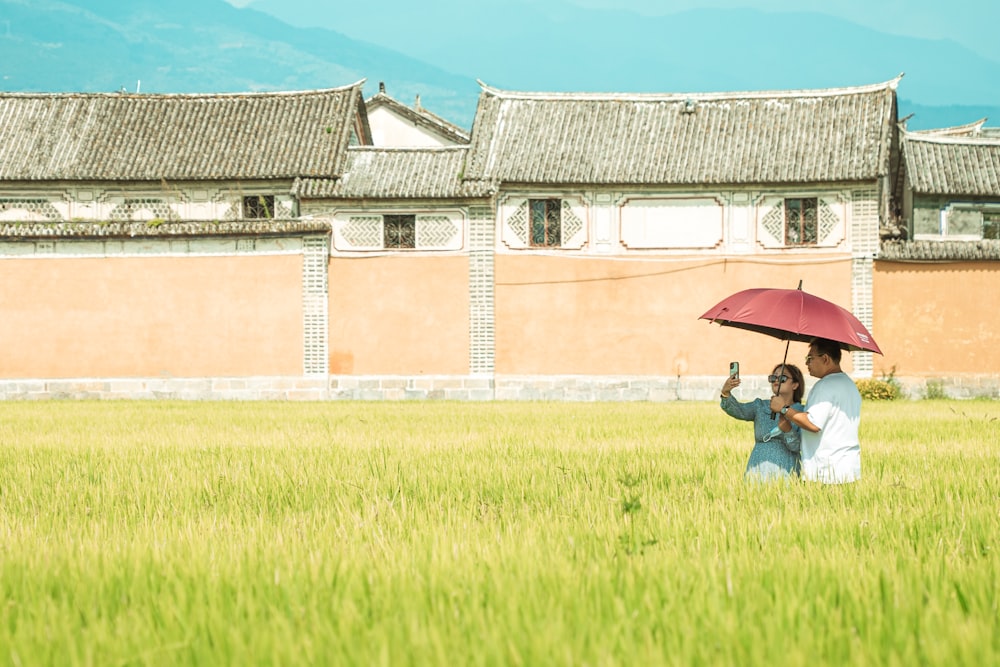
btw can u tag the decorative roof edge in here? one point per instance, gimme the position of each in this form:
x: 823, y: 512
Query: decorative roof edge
x: 953, y: 139
x: 149, y: 229
x: 954, y: 130
x: 939, y: 251
x: 891, y: 84
x: 120, y: 95
x: 466, y: 189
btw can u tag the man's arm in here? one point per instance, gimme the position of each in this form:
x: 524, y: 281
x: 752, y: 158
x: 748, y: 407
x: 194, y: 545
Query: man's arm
x: 797, y: 417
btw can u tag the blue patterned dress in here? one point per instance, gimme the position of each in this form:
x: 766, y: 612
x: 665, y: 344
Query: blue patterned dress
x: 777, y: 459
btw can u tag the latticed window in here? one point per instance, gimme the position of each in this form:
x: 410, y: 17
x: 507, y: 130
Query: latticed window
x: 258, y: 206
x: 801, y: 221
x: 991, y: 225
x: 545, y: 222
x: 29, y: 209
x: 142, y: 209
x: 400, y: 231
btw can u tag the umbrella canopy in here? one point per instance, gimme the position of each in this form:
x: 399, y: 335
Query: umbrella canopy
x: 791, y: 314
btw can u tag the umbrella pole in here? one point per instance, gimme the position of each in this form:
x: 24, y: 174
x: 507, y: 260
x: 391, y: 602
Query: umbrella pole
x: 785, y: 360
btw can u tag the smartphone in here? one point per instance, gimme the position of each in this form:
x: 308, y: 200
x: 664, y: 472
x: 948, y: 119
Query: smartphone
x: 734, y: 369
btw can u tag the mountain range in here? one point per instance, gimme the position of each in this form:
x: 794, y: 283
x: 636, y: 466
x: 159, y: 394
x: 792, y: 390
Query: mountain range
x: 213, y: 46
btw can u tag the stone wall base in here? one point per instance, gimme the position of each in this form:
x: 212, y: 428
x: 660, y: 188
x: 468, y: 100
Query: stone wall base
x: 577, y: 388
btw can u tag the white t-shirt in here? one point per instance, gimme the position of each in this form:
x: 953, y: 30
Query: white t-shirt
x: 833, y: 455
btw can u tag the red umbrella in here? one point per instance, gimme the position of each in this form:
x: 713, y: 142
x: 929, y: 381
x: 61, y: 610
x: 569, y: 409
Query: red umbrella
x: 791, y: 314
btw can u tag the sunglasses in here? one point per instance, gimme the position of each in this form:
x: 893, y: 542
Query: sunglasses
x: 777, y: 378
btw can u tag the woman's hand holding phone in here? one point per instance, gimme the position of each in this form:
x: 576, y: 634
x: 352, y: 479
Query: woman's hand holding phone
x: 733, y: 380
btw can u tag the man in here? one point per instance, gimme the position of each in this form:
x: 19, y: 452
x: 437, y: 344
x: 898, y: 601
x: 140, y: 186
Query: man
x: 830, y: 450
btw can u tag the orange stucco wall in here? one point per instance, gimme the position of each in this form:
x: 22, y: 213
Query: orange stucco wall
x: 606, y: 317
x: 937, y: 319
x: 151, y: 316
x: 399, y: 315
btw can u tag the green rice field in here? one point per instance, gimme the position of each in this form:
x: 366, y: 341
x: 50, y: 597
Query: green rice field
x: 536, y: 534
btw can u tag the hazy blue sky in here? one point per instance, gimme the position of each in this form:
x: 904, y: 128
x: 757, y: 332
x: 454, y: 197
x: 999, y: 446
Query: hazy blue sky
x: 973, y: 23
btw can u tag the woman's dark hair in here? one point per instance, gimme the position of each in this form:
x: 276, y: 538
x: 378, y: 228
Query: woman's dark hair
x: 793, y: 371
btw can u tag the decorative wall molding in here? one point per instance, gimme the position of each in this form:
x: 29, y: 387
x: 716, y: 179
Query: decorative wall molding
x: 167, y: 202
x: 482, y: 278
x: 359, y: 232
x: 315, y: 305
x: 28, y: 209
x: 514, y: 228
x: 864, y: 220
x: 672, y: 222
x: 831, y: 225
x: 363, y: 231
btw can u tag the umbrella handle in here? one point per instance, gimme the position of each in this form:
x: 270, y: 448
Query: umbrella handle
x: 785, y: 360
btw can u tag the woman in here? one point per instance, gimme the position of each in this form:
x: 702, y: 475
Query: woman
x: 776, y: 453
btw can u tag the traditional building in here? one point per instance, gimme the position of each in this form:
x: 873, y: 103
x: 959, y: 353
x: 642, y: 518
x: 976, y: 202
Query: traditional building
x: 409, y: 274
x: 264, y: 245
x: 150, y: 245
x: 934, y: 276
x: 952, y: 184
x: 620, y: 218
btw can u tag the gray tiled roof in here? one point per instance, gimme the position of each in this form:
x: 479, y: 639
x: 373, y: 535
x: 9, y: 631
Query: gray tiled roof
x: 972, y: 129
x: 841, y: 134
x: 121, y: 136
x: 401, y: 173
x: 939, y: 251
x: 947, y: 165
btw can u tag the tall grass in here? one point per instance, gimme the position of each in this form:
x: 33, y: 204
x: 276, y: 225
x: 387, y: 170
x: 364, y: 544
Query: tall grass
x: 162, y: 533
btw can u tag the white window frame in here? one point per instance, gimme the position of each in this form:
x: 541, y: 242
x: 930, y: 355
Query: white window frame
x: 943, y: 221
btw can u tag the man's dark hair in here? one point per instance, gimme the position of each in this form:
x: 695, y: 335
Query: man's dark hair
x: 827, y: 347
